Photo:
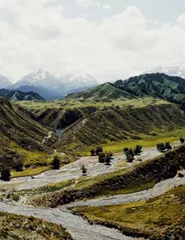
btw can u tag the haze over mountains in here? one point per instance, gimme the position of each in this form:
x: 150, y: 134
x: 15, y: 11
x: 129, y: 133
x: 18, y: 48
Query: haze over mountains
x: 50, y: 86
x: 171, y: 71
x: 55, y: 86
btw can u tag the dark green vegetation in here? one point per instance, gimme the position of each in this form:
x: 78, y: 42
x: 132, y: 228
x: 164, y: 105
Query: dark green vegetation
x: 156, y: 85
x: 5, y: 174
x: 15, y: 95
x: 15, y: 227
x: 145, y: 175
x: 56, y: 162
x: 161, y: 218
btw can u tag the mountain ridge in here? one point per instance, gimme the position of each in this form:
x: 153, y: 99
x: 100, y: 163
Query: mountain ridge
x: 155, y: 85
x: 16, y: 95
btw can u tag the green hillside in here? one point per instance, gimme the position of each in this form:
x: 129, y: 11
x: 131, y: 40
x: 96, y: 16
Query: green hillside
x: 155, y: 85
x: 112, y: 124
x: 104, y: 92
x: 20, y: 134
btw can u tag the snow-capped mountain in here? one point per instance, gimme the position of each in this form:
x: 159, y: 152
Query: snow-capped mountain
x: 40, y: 78
x: 78, y: 81
x: 171, y: 71
x: 4, y: 82
x: 54, y: 86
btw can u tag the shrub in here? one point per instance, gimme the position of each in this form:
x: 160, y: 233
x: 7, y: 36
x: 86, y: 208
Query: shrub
x: 168, y: 146
x: 182, y: 140
x: 92, y: 152
x: 161, y: 147
x: 101, y: 157
x: 56, y: 162
x: 15, y: 197
x: 84, y: 170
x: 18, y: 165
x: 130, y: 157
x: 99, y: 150
x: 5, y: 174
x: 138, y: 150
x: 108, y: 157
x: 125, y: 150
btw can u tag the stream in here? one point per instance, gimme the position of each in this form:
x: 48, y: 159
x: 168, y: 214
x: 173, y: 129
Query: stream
x: 79, y: 228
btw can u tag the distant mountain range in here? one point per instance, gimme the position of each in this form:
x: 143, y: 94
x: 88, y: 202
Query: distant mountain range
x: 15, y: 95
x: 4, y: 82
x: 50, y: 86
x: 54, y: 86
x: 156, y: 85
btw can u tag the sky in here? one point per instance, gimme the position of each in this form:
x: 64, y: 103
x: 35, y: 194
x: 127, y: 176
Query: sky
x: 109, y: 39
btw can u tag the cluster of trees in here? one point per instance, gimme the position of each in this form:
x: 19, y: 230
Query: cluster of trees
x: 5, y: 174
x: 164, y: 146
x: 130, y: 153
x: 102, y: 157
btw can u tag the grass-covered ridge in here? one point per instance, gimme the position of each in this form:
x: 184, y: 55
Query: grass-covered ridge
x: 112, y: 124
x: 15, y: 227
x: 160, y: 218
x: 104, y: 92
x: 156, y: 85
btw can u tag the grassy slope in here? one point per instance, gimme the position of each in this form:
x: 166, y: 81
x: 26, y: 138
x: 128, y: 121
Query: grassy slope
x: 112, y: 125
x: 162, y: 216
x: 104, y: 92
x: 21, y: 139
x: 146, y: 141
x: 155, y: 85
x: 15, y: 227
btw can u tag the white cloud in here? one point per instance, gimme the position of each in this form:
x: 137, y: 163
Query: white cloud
x: 106, y: 6
x: 84, y: 3
x: 37, y: 35
x: 88, y: 3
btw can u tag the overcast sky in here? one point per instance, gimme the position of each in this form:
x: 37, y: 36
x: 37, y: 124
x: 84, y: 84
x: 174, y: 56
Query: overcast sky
x: 109, y: 39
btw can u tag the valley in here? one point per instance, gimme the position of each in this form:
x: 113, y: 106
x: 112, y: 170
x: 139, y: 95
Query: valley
x: 73, y: 162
